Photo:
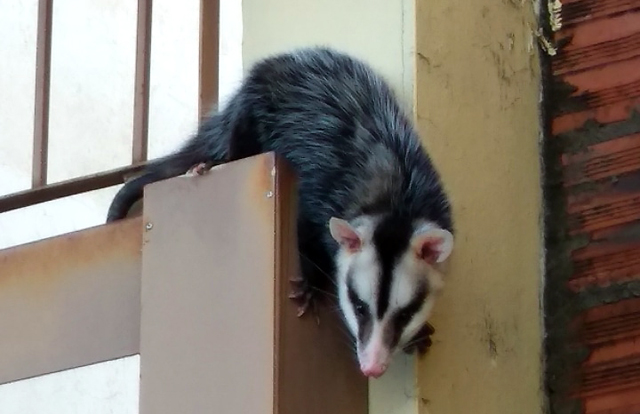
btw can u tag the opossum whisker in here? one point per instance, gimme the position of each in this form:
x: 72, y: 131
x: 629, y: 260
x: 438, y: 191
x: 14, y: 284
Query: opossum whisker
x: 324, y: 292
x: 319, y: 269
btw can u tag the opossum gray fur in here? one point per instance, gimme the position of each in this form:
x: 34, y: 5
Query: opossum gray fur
x: 373, y: 217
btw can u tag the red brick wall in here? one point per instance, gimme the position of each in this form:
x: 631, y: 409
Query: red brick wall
x: 592, y: 156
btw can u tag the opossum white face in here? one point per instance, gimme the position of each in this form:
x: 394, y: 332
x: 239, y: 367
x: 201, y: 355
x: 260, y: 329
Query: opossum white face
x: 387, y: 282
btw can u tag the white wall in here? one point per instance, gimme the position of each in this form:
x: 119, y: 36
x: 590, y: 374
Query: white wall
x: 93, y: 54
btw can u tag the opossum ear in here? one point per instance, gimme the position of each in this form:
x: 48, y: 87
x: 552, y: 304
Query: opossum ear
x: 345, y: 234
x: 433, y: 245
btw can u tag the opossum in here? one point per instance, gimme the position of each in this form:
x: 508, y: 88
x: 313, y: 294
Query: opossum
x: 374, y: 221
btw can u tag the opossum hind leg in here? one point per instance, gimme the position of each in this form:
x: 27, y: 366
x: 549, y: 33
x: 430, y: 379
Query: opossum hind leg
x: 201, y: 169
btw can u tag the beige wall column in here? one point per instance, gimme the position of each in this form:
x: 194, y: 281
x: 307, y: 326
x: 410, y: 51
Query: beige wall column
x: 477, y: 88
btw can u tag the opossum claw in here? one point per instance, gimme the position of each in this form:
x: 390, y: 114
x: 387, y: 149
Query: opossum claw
x: 303, y: 294
x: 421, y: 342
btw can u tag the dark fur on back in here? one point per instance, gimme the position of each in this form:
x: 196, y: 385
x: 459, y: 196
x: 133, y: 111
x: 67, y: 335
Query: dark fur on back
x: 340, y: 127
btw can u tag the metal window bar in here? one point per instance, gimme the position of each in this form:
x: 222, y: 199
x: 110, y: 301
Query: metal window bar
x: 209, y: 54
x: 41, y: 191
x: 141, y: 97
x: 43, y: 81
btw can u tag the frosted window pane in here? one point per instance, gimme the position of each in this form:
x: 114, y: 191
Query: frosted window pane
x: 17, y: 75
x: 173, y: 107
x: 107, y: 388
x: 55, y: 217
x: 92, y: 82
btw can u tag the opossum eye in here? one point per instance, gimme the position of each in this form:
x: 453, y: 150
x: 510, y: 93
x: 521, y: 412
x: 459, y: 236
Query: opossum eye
x: 359, y: 307
x: 403, y: 317
x: 361, y: 310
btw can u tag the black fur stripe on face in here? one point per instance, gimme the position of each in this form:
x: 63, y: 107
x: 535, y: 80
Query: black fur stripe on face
x: 391, y: 240
x: 362, y: 312
x: 403, y: 316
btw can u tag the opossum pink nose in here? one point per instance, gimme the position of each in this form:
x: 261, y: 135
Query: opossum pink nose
x: 374, y: 370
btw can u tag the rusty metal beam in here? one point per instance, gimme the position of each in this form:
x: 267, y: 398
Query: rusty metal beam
x: 43, y: 82
x: 302, y: 346
x: 194, y: 293
x: 207, y: 292
x: 70, y: 301
x: 67, y: 188
x: 209, y: 55
x: 142, y: 78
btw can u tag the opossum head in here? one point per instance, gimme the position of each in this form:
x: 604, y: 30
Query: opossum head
x: 388, y: 278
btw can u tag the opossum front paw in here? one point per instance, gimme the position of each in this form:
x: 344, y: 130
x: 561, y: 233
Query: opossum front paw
x: 421, y: 342
x: 303, y: 295
x: 200, y: 169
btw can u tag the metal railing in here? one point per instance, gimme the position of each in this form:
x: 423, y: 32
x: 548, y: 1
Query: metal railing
x: 41, y: 190
x: 110, y: 292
